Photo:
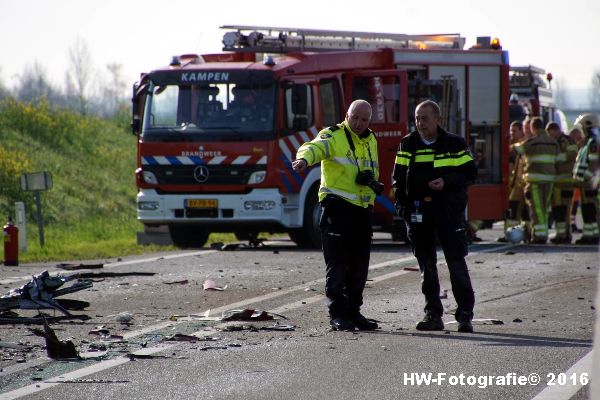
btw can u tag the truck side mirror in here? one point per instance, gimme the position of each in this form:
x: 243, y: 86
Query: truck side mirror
x: 139, y: 91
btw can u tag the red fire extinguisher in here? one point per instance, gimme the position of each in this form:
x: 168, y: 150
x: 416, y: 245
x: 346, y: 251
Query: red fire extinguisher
x: 11, y: 243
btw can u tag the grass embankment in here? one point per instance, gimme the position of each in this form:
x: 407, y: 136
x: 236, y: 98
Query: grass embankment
x: 90, y: 210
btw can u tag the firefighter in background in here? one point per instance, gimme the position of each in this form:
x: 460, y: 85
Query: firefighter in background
x: 562, y: 193
x: 517, y: 212
x: 576, y: 134
x: 540, y: 152
x: 586, y: 167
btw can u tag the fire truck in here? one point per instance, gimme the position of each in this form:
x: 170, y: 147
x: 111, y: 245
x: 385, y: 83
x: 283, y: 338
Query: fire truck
x: 217, y: 133
x: 531, y: 94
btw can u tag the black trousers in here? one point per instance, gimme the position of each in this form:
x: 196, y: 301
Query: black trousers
x: 346, y: 237
x: 450, y: 230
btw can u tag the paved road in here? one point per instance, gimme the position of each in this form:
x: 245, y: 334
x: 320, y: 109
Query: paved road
x: 542, y: 294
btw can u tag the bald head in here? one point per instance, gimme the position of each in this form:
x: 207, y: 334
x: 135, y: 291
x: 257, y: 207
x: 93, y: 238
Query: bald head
x: 359, y: 116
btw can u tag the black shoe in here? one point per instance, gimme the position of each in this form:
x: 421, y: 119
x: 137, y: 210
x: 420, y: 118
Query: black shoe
x: 465, y: 326
x: 563, y: 240
x: 587, y: 240
x: 341, y: 324
x: 538, y: 241
x: 431, y: 322
x: 362, y: 323
x: 502, y: 239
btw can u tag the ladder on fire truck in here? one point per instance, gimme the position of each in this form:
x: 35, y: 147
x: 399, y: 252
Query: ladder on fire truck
x: 282, y: 40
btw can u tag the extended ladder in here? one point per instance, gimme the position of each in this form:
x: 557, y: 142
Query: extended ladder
x: 283, y: 40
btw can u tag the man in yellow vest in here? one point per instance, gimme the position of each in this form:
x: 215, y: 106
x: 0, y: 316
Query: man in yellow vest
x: 563, y: 184
x: 347, y: 153
x: 540, y: 153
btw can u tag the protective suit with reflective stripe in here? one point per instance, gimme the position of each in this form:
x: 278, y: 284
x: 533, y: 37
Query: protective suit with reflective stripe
x: 583, y: 173
x: 340, y: 165
x: 562, y: 193
x: 540, y: 152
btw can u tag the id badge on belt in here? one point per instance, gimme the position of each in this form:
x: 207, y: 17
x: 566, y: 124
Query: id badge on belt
x: 416, y: 217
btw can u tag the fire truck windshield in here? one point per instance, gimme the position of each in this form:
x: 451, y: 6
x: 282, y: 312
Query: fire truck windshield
x: 209, y: 112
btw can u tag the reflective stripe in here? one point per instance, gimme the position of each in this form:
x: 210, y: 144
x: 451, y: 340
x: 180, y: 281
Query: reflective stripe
x: 572, y: 147
x: 542, y: 158
x: 564, y: 178
x: 425, y: 151
x: 424, y: 158
x: 561, y: 157
x: 338, y: 192
x: 452, y: 162
x: 326, y: 146
x: 401, y: 160
x: 533, y: 177
x: 343, y: 161
x: 593, y: 156
x: 404, y: 153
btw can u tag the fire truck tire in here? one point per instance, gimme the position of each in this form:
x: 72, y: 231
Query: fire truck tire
x: 188, y: 236
x: 309, y: 235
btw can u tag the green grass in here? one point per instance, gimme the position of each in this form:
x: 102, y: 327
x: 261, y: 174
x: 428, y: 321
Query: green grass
x: 90, y: 211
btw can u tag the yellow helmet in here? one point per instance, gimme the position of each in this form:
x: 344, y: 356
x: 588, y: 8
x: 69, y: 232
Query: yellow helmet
x: 588, y: 123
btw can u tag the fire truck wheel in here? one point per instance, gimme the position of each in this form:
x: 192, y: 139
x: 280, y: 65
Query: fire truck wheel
x: 188, y: 236
x: 309, y: 236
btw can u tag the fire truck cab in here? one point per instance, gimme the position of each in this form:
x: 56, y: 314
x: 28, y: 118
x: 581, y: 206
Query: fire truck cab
x: 531, y: 94
x: 217, y: 133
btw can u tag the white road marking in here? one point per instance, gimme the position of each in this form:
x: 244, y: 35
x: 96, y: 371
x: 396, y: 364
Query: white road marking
x: 564, y: 392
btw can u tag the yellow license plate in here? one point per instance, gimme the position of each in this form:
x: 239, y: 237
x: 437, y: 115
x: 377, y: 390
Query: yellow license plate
x: 201, y: 203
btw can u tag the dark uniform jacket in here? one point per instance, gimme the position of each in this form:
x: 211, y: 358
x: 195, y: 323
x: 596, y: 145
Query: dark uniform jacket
x: 417, y: 164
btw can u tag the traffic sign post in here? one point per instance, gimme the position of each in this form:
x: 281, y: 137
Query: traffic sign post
x: 37, y: 182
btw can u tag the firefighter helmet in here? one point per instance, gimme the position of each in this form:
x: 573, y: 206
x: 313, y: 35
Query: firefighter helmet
x: 588, y: 123
x: 515, y: 234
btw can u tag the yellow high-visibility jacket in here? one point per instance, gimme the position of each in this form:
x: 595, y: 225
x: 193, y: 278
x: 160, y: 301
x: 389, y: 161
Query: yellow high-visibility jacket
x: 340, y: 165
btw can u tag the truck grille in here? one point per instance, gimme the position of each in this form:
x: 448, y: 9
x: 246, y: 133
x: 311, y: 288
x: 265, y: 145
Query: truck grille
x: 203, y: 174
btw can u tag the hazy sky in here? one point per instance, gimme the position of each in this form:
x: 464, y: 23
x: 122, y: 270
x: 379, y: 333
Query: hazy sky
x: 559, y: 36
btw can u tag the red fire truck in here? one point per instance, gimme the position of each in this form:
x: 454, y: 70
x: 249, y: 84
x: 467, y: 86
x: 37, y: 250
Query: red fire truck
x: 531, y: 94
x: 217, y: 133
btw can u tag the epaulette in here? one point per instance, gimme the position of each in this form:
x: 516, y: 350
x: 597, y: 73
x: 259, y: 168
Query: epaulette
x: 334, y: 128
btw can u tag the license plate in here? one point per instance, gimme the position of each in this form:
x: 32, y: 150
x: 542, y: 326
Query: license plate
x: 201, y: 203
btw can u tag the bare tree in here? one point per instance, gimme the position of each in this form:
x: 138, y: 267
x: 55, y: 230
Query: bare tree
x: 114, y: 89
x: 594, y: 94
x: 33, y: 85
x: 560, y: 94
x: 79, y: 74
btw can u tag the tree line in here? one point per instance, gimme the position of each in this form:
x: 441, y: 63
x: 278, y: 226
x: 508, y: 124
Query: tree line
x: 86, y: 89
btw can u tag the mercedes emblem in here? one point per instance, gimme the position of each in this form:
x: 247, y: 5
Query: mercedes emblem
x: 201, y: 174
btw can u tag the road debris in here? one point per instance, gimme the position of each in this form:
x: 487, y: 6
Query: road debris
x: 249, y: 314
x: 181, y: 282
x: 279, y: 327
x: 73, y: 267
x: 411, y: 269
x: 124, y: 317
x: 55, y: 348
x: 40, y: 293
x: 209, y: 284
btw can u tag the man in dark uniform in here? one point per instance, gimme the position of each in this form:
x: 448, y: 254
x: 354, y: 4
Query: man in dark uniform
x: 347, y: 153
x: 433, y: 169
